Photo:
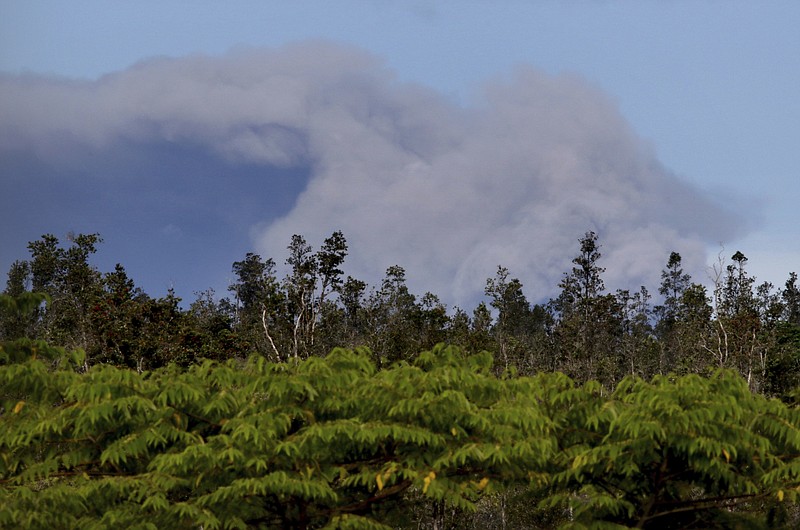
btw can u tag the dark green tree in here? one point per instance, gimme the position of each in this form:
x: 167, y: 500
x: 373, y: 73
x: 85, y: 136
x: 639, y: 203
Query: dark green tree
x: 736, y: 292
x: 19, y: 278
x: 783, y: 364
x: 639, y: 350
x: 392, y: 316
x: 692, y: 341
x: 674, y: 282
x: 473, y: 333
x: 329, y: 260
x: 312, y: 279
x: 674, y: 285
x: 519, y: 330
x: 255, y: 284
x: 740, y: 340
x: 343, y: 324
x: 165, y: 334
x: 791, y: 300
x: 588, y: 321
x: 433, y: 320
x: 211, y: 325
x: 584, y: 283
x: 73, y: 285
x: 299, y: 286
x: 260, y: 318
x: 114, y: 317
x: 17, y: 324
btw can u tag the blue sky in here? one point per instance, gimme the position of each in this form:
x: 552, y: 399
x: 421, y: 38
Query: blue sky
x: 706, y: 91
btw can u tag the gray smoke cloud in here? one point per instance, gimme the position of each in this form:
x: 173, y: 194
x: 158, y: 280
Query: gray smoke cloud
x: 448, y: 191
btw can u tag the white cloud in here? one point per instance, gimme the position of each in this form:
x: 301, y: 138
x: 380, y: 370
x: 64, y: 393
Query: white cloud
x: 514, y: 180
x: 448, y: 192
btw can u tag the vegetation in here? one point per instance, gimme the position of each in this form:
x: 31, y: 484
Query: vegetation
x: 335, y: 442
x: 304, y: 402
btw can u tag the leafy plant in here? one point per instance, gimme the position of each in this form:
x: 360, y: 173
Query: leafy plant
x: 334, y: 442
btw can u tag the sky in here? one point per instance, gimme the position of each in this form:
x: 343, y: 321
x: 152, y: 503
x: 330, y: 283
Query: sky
x: 446, y: 137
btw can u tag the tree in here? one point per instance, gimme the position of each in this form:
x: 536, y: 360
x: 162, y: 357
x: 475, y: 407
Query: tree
x: 588, y: 322
x: 344, y: 324
x: 114, y: 317
x: 255, y: 285
x: 519, y: 328
x: 507, y: 298
x: 300, y: 286
x: 335, y: 442
x: 738, y: 324
x: 312, y: 279
x: 638, y: 348
x: 473, y: 333
x: 17, y: 324
x: 783, y: 366
x: 674, y: 285
x: 736, y: 293
x: 259, y: 305
x: 211, y: 324
x: 392, y: 314
x: 691, y: 345
x: 690, y: 452
x: 72, y: 283
x: 584, y: 284
x: 791, y: 300
x: 18, y: 278
x: 17, y: 313
x: 433, y: 320
x: 164, y: 334
x: 329, y: 259
x: 319, y: 442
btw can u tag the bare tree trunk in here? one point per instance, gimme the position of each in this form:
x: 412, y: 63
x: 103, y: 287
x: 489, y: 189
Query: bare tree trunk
x: 297, y: 323
x: 266, y: 333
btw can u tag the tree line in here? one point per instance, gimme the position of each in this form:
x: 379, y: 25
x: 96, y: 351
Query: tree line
x: 317, y: 401
x: 585, y: 331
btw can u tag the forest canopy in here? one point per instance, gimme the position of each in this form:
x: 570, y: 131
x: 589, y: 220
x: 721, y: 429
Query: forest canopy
x: 315, y: 400
x: 335, y: 442
x: 585, y: 331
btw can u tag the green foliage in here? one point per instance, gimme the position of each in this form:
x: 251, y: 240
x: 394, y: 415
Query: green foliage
x: 152, y: 416
x: 72, y: 283
x: 18, y: 313
x: 334, y: 442
x: 689, y: 452
x: 221, y: 445
x: 584, y: 332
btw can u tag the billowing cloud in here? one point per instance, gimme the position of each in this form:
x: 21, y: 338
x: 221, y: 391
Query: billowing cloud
x: 448, y: 191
